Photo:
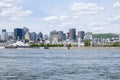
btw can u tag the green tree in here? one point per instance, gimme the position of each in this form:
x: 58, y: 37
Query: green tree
x: 87, y: 42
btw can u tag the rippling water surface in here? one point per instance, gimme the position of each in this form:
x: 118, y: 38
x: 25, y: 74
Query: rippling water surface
x: 38, y: 64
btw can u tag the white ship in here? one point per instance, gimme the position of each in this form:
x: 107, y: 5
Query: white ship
x: 18, y: 44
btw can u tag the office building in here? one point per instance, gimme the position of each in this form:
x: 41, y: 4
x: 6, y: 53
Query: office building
x: 45, y: 37
x: 10, y: 35
x: 81, y: 35
x: 18, y: 33
x: 72, y: 34
x: 64, y: 36
x: 25, y: 30
x: 33, y: 36
x: 54, y: 36
x: 57, y: 36
x: 3, y: 35
x: 68, y: 35
x: 88, y: 36
x: 61, y: 35
x: 27, y: 36
x: 40, y: 36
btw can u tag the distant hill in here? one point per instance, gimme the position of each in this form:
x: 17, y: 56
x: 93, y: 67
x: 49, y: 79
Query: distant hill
x: 105, y: 35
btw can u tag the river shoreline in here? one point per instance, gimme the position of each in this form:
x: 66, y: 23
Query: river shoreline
x: 72, y: 48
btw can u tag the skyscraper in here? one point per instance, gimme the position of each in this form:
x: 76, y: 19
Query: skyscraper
x: 25, y: 30
x: 64, y: 36
x: 40, y: 36
x: 46, y: 37
x: 3, y: 35
x: 81, y: 35
x: 27, y: 36
x: 72, y: 34
x: 18, y: 33
x: 33, y: 36
x: 61, y: 35
x: 57, y: 36
x: 10, y: 35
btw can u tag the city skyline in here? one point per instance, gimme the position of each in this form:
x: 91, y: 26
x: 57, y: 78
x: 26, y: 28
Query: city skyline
x: 44, y: 16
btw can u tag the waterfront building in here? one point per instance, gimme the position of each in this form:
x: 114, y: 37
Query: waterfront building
x: 10, y: 35
x: 57, y: 36
x: 88, y: 35
x: 64, y: 36
x: 18, y: 33
x: 68, y: 35
x: 25, y: 30
x: 80, y: 43
x: 40, y: 36
x: 3, y: 35
x: 81, y: 35
x: 61, y: 36
x: 72, y: 34
x: 54, y: 36
x: 45, y: 37
x: 33, y: 36
x: 27, y: 36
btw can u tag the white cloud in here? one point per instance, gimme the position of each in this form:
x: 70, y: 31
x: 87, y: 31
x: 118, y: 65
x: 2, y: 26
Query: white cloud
x: 116, y: 5
x: 50, y: 18
x: 86, y: 8
x: 66, y: 24
x: 93, y: 24
x: 96, y: 29
x: 9, y: 9
x: 115, y: 18
x: 53, y: 18
x: 99, y: 24
x: 63, y: 18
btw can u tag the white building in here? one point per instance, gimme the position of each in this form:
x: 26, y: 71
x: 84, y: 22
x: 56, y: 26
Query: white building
x: 27, y: 36
x: 80, y: 44
x: 3, y: 35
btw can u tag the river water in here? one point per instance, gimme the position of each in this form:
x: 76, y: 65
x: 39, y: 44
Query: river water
x: 40, y: 64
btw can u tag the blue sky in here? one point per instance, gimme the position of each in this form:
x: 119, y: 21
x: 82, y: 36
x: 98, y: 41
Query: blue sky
x: 98, y: 16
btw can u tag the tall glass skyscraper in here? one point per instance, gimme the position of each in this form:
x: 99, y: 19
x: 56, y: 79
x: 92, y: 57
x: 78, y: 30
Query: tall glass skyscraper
x: 40, y: 36
x: 72, y: 34
x: 33, y: 36
x: 81, y: 35
x: 18, y: 33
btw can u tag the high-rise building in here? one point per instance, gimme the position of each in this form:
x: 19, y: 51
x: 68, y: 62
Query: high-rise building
x: 18, y: 33
x: 68, y: 35
x: 72, y: 34
x: 81, y: 35
x: 61, y: 35
x: 64, y: 36
x: 40, y: 36
x: 25, y: 30
x: 88, y: 36
x: 27, y: 36
x: 45, y: 37
x: 57, y: 36
x: 10, y: 35
x: 33, y: 36
x: 3, y: 35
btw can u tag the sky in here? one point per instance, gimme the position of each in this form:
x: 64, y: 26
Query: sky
x: 97, y: 16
